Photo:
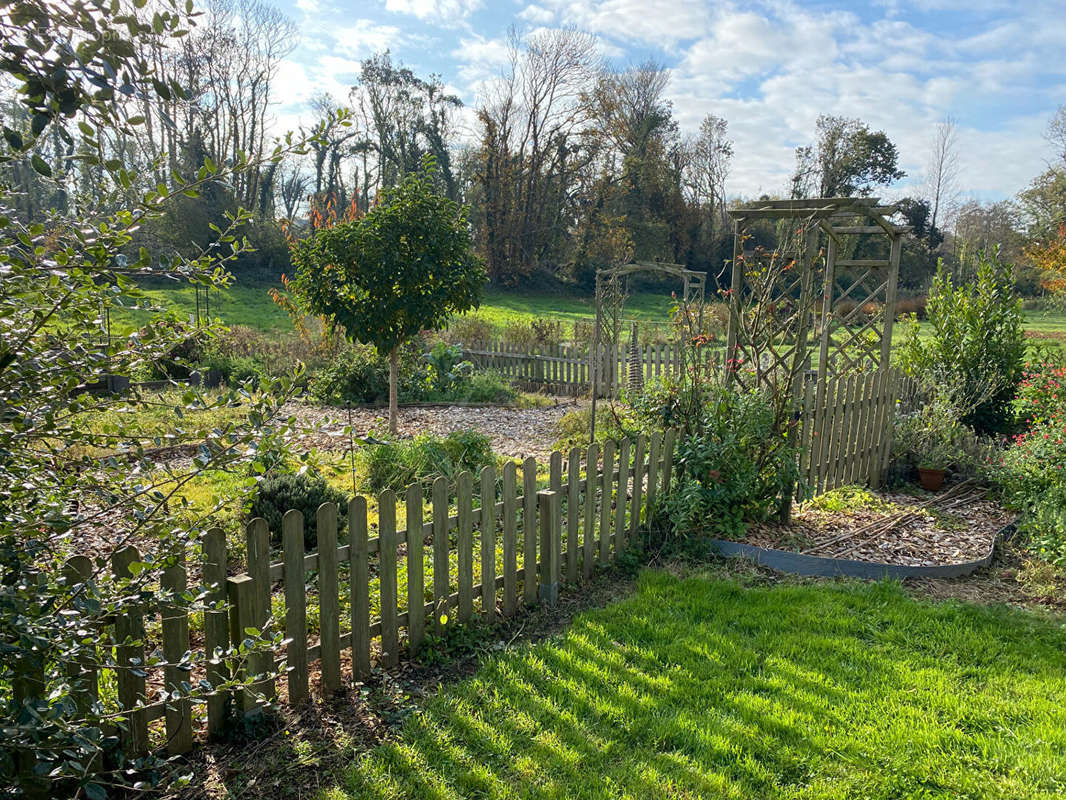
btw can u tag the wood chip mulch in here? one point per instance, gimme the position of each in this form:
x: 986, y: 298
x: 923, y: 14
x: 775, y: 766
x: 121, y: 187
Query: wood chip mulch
x: 927, y: 533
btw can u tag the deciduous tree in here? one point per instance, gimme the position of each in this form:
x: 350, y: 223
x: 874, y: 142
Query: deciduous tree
x: 403, y: 267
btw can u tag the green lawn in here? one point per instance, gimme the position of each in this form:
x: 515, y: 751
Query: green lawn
x: 239, y: 304
x: 250, y: 304
x: 708, y: 687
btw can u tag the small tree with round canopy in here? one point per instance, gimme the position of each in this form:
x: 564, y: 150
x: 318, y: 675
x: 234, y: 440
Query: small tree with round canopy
x: 403, y: 267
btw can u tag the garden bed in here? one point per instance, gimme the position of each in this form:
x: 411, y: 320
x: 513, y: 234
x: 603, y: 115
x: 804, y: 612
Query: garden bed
x: 956, y: 527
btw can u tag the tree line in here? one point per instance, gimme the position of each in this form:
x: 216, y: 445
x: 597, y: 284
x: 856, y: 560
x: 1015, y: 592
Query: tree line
x: 573, y: 163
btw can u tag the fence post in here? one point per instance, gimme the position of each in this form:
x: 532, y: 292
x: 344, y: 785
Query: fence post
x: 605, y: 502
x: 441, y: 549
x: 416, y: 592
x: 529, y: 529
x: 79, y: 569
x: 359, y: 588
x: 548, y: 502
x: 591, y: 490
x: 175, y: 626
x: 464, y: 541
x: 216, y: 630
x: 241, y: 590
x: 292, y: 532
x: 129, y: 636
x: 329, y: 610
x: 390, y: 635
x: 257, y: 542
x: 488, y: 542
x: 573, y: 514
x: 510, y: 538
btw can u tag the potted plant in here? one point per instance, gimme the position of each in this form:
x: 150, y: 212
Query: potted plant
x: 930, y: 439
x: 933, y: 464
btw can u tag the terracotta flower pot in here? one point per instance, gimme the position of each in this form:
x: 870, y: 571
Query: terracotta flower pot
x: 931, y: 479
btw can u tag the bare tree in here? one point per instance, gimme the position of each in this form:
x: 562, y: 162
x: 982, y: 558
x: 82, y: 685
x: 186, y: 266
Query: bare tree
x: 530, y: 123
x: 632, y: 110
x: 942, y: 172
x: 710, y: 157
x: 291, y: 187
x: 1056, y: 132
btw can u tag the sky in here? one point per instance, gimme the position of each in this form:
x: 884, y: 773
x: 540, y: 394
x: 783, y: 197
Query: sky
x: 769, y: 68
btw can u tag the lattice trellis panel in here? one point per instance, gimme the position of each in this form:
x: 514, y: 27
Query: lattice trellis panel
x: 611, y: 292
x: 774, y: 301
x: 849, y: 252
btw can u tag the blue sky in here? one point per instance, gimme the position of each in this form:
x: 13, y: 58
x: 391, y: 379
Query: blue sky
x: 769, y: 68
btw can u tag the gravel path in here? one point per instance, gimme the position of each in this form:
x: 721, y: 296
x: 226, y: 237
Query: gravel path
x: 515, y: 432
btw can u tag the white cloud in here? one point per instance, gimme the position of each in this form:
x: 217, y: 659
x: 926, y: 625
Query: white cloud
x: 660, y: 22
x: 434, y: 10
x: 480, y: 60
x: 770, y: 72
x: 362, y: 37
x: 537, y: 14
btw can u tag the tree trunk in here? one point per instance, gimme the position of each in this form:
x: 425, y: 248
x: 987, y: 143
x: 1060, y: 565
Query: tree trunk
x: 394, y: 369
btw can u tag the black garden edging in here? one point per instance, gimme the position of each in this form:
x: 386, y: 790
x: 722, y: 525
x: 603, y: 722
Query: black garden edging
x: 822, y: 566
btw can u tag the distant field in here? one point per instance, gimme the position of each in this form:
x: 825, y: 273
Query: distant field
x: 250, y: 304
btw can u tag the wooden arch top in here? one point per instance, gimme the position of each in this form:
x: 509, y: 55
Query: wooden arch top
x: 829, y: 211
x: 677, y: 270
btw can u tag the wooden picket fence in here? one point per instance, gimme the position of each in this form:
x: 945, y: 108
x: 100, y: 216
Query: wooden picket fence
x: 565, y: 369
x: 846, y: 429
x: 596, y: 502
x: 380, y: 592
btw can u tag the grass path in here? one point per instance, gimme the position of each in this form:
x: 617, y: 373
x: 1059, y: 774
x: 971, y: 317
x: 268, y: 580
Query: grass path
x: 705, y: 686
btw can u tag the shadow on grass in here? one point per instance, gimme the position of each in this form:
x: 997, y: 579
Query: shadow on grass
x: 702, y: 687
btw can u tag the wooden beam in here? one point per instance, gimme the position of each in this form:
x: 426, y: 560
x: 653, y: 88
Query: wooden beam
x: 855, y: 229
x: 890, y: 303
x: 810, y: 202
x: 832, y: 234
x: 783, y: 213
x: 864, y: 262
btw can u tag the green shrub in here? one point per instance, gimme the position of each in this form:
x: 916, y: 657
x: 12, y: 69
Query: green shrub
x: 488, y: 386
x: 398, y: 464
x: 528, y: 335
x: 472, y: 330
x: 303, y: 492
x: 356, y: 375
x: 1043, y: 526
x: 734, y: 470
x: 447, y: 368
x: 1031, y: 472
x: 572, y: 429
x: 976, y: 346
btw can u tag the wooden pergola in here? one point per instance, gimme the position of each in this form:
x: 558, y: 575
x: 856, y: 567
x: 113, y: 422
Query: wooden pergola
x: 851, y: 316
x: 610, y: 300
x: 811, y: 288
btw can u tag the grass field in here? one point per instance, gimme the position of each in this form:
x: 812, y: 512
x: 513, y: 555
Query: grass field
x: 707, y: 686
x: 250, y: 304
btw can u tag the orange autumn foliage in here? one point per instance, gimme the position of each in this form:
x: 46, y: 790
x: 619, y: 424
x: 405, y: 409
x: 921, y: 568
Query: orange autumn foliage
x: 1050, y: 257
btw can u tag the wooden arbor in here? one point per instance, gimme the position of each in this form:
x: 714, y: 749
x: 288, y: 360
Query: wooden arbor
x: 831, y: 279
x: 819, y: 292
x: 611, y: 293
